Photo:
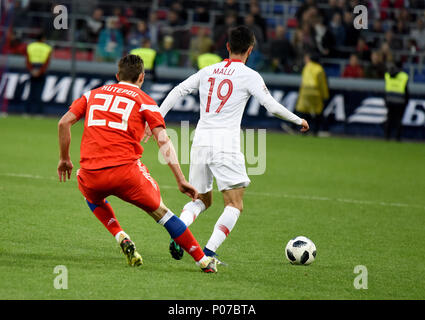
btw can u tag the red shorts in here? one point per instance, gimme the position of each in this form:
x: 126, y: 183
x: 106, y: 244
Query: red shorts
x: 129, y: 182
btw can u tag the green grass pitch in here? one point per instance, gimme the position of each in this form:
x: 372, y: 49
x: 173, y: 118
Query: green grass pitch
x: 361, y: 201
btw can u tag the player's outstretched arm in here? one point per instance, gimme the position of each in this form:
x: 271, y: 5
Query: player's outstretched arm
x: 168, y: 152
x: 64, y: 132
x: 259, y: 90
x: 183, y: 89
x: 166, y: 106
x: 281, y: 112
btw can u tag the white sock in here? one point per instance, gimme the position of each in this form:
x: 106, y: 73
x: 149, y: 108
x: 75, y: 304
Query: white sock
x: 191, y: 211
x: 223, y: 227
x: 117, y: 236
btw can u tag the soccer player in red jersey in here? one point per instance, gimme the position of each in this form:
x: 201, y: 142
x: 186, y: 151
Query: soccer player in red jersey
x: 115, y: 118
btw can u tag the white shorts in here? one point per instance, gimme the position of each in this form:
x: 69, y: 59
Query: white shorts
x: 228, y: 169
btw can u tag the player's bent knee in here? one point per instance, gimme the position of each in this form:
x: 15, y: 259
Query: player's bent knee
x: 206, y: 198
x: 234, y: 198
x: 159, y: 213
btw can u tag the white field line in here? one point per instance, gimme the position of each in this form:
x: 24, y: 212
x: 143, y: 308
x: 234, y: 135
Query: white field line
x: 263, y: 194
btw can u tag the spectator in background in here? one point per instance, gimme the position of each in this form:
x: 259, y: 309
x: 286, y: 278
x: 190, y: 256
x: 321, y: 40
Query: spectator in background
x: 111, y: 42
x: 323, y: 38
x: 396, y: 99
x: 221, y: 33
x: 387, y: 55
x: 14, y: 44
x: 412, y: 47
x: 255, y: 60
x: 313, y: 92
x: 254, y: 9
x: 376, y: 69
x: 395, y: 42
x: 302, y: 42
x: 169, y: 56
x: 305, y: 7
x: 388, y: 6
x: 123, y: 24
x: 333, y: 8
x: 178, y: 8
x: 404, y: 16
x: 21, y: 9
x: 401, y: 28
x: 362, y: 49
x: 38, y: 55
x: 337, y: 29
x: 172, y: 28
x: 378, y: 30
x: 200, y: 44
x: 297, y: 45
x: 377, y: 26
x: 173, y: 19
x: 137, y: 35
x: 418, y: 34
x: 342, y: 5
x: 250, y: 23
x: 148, y: 55
x: 308, y: 16
x: 351, y: 33
x: 308, y: 37
x: 208, y: 58
x: 154, y: 29
x: 353, y: 69
x: 134, y: 11
x: 230, y: 6
x: 94, y: 25
x: 281, y: 52
x: 202, y: 8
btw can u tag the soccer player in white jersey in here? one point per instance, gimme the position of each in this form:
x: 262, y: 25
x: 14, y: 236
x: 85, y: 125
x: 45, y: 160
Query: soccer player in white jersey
x: 224, y: 89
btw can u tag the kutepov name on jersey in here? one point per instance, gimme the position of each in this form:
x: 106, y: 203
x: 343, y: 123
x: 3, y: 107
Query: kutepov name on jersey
x: 215, y: 309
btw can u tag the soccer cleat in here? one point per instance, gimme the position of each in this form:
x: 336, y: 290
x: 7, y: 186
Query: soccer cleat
x: 210, y: 253
x: 175, y: 250
x: 209, y: 266
x: 129, y: 249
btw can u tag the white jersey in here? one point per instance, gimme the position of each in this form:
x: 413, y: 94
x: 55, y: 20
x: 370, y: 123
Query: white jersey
x: 224, y: 89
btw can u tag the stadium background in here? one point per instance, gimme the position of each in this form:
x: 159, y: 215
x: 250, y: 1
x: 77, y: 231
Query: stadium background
x: 360, y: 200
x: 284, y: 31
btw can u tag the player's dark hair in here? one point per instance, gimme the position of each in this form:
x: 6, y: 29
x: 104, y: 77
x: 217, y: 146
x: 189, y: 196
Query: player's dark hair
x: 240, y: 39
x: 130, y: 67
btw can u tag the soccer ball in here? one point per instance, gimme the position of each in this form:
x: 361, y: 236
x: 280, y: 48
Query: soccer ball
x: 300, y: 250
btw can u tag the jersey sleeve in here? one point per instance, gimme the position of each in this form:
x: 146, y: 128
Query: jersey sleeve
x: 258, y: 89
x: 151, y: 113
x: 79, y: 106
x: 184, y: 88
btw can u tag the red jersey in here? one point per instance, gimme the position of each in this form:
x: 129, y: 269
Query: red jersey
x: 114, y: 125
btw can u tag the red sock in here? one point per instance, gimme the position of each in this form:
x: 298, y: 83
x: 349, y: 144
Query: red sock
x: 182, y: 235
x: 188, y: 242
x: 106, y: 215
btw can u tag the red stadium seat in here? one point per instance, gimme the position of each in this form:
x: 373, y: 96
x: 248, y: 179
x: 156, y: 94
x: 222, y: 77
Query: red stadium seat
x: 66, y: 54
x: 62, y: 53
